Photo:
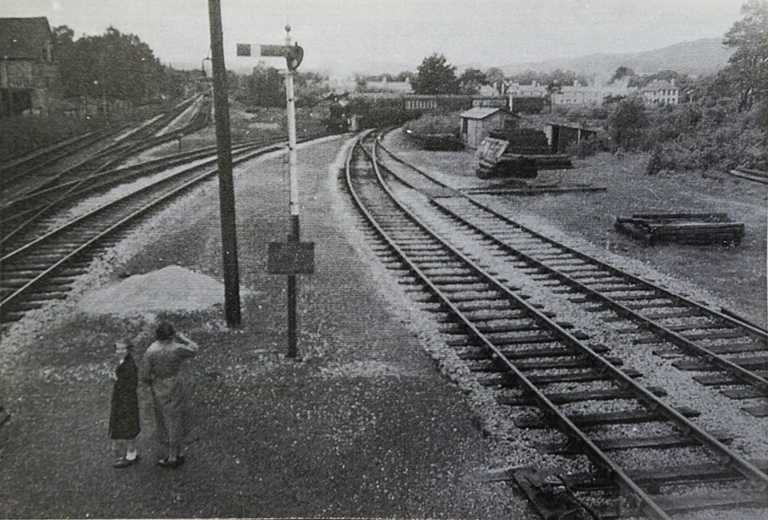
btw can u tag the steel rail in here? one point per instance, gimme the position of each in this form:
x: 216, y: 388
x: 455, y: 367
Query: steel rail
x: 104, y: 180
x: 665, y: 333
x: 598, y: 456
x: 732, y: 368
x: 94, y: 214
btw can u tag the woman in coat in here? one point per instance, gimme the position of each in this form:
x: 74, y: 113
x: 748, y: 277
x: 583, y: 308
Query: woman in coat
x: 124, y: 414
x: 162, y: 371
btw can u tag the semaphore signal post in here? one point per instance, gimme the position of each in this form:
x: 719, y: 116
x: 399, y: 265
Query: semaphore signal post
x: 292, y: 257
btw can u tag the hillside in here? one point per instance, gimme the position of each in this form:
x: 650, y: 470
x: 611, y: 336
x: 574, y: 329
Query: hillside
x: 695, y: 58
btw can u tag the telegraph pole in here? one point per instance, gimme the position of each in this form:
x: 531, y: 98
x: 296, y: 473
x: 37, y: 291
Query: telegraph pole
x: 226, y: 184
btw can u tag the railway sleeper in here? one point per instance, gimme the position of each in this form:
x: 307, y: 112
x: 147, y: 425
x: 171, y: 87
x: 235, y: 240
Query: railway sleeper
x: 605, y: 394
x: 660, y: 442
x: 480, y: 296
x: 683, y: 312
x: 728, y: 499
x: 489, y: 314
x: 587, y: 420
x: 44, y: 294
x: 758, y: 410
x: 454, y: 279
x: 663, y: 476
x: 477, y: 305
x: 726, y: 334
x: 467, y: 350
x: 724, y: 379
x: 586, y: 276
x: 491, y: 365
x: 506, y: 339
x: 744, y: 393
x: 476, y: 286
x: 26, y: 306
x: 697, y: 365
x: 650, y: 300
x: 510, y: 381
x: 733, y: 348
x: 710, y: 326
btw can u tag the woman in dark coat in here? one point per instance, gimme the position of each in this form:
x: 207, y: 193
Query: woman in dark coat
x: 124, y: 417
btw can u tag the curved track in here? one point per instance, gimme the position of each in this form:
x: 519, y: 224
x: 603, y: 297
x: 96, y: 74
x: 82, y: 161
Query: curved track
x: 733, y: 351
x: 625, y: 431
x: 80, y: 158
x: 43, y: 265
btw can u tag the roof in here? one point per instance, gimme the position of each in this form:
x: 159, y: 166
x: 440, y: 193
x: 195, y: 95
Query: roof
x: 658, y: 84
x: 480, y: 112
x: 24, y: 38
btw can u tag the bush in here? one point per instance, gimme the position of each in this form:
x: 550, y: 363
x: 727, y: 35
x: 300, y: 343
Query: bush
x: 435, y: 124
x: 22, y: 134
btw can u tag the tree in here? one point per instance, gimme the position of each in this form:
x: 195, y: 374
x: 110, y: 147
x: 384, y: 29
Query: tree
x: 627, y: 122
x: 264, y: 88
x: 435, y: 76
x: 311, y: 88
x: 621, y: 73
x: 112, y: 65
x: 471, y: 80
x: 495, y: 76
x: 748, y: 67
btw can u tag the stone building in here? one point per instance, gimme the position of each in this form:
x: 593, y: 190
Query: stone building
x: 29, y: 76
x: 661, y: 92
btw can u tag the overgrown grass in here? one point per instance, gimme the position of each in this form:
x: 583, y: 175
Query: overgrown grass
x: 23, y: 134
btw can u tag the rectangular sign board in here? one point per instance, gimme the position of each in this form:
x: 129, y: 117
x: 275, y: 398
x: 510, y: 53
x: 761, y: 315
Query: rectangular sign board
x: 291, y: 258
x: 243, y: 49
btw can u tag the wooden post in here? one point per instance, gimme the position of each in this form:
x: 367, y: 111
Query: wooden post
x: 226, y: 184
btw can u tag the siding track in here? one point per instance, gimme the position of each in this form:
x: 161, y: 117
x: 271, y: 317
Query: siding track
x: 41, y: 264
x: 633, y: 441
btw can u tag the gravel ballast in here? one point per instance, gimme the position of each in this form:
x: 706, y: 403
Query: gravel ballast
x: 362, y: 425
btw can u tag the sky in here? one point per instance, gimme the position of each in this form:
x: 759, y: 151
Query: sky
x: 346, y: 36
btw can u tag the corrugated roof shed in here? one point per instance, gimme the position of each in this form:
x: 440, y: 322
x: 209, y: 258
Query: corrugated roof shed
x: 480, y: 112
x: 24, y: 38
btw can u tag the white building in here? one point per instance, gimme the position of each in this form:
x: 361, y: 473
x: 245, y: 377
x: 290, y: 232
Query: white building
x: 527, y: 91
x: 590, y: 95
x: 661, y: 92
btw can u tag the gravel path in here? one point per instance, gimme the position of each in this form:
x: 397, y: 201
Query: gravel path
x: 362, y: 426
x: 377, y: 418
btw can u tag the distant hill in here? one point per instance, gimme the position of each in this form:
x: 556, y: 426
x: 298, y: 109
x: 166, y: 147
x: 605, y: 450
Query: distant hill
x: 695, y: 58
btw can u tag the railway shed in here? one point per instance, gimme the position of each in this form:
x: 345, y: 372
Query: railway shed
x: 562, y: 135
x: 478, y: 122
x: 29, y: 77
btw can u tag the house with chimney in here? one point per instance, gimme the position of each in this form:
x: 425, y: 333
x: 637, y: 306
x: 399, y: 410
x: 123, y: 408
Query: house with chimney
x: 29, y: 76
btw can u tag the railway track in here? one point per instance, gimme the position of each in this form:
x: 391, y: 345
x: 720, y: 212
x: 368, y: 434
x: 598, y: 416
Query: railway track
x: 629, y: 438
x: 79, y: 158
x: 732, y: 352
x: 43, y: 266
x: 31, y: 215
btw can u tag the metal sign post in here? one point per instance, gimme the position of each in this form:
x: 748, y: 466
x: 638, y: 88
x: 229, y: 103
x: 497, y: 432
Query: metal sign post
x: 292, y: 257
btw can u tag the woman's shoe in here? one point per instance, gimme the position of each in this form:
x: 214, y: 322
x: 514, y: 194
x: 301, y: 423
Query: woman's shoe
x: 124, y: 463
x: 172, y: 464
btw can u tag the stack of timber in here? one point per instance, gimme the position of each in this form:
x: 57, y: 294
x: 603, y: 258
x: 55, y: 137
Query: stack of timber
x: 533, y: 143
x: 497, y: 159
x: 683, y: 228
